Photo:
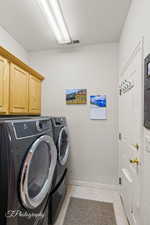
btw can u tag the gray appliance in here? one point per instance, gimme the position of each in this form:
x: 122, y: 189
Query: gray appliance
x: 28, y: 159
x: 59, y: 188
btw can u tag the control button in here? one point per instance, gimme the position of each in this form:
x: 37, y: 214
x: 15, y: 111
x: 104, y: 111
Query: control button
x: 25, y: 126
x: 39, y: 125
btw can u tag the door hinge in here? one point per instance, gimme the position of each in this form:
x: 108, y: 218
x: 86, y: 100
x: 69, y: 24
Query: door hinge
x: 120, y: 180
x: 120, y: 136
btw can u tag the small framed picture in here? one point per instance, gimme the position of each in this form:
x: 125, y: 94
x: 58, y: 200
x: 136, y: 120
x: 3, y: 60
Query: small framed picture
x: 76, y: 96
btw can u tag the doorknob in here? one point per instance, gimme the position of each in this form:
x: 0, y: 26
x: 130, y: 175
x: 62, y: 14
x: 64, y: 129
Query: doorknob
x: 135, y: 161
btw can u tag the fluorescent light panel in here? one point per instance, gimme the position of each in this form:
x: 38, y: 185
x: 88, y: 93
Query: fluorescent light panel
x: 52, y: 11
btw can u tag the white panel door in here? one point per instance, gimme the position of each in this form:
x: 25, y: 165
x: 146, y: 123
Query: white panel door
x: 130, y: 128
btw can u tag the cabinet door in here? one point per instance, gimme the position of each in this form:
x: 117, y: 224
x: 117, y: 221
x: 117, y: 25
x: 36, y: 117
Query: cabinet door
x: 18, y: 90
x: 34, y: 95
x: 4, y: 85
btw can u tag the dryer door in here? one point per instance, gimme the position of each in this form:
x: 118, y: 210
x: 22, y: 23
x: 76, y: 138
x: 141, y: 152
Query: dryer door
x: 37, y: 172
x: 63, y: 146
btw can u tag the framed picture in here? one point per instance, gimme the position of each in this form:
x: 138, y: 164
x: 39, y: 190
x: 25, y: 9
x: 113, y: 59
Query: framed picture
x: 98, y: 104
x: 76, y: 96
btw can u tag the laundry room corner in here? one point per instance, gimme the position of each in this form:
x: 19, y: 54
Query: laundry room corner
x: 7, y: 41
x: 94, y: 149
x: 74, y: 112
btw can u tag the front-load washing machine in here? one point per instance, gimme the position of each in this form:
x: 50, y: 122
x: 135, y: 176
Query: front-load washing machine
x: 59, y: 187
x: 28, y: 159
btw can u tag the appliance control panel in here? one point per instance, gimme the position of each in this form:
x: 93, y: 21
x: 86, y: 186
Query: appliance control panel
x: 31, y: 128
x: 59, y: 121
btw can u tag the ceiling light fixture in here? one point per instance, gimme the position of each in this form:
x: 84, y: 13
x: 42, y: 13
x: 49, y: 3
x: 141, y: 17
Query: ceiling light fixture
x: 54, y: 16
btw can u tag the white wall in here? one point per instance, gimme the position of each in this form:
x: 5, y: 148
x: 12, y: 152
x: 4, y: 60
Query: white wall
x: 94, y: 153
x: 7, y: 41
x: 136, y: 27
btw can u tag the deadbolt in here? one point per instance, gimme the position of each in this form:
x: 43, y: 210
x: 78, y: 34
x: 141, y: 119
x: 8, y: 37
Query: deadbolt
x: 136, y: 146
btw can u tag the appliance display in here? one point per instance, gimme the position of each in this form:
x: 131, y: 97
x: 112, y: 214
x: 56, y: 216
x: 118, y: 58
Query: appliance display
x: 147, y: 92
x: 28, y: 159
x: 59, y: 187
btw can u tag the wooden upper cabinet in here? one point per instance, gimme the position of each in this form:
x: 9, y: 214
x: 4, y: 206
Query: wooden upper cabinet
x: 34, y: 95
x: 4, y: 85
x: 18, y: 90
x: 20, y: 86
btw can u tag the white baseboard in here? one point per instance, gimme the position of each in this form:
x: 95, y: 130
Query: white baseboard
x: 111, y: 187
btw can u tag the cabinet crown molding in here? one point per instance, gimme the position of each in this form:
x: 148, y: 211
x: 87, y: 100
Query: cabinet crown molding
x: 12, y: 58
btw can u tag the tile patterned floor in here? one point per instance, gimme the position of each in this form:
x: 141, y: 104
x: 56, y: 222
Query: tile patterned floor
x: 94, y: 194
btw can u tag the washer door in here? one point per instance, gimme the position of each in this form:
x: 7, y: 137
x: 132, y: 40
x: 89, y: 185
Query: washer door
x: 37, y: 172
x: 63, y: 146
